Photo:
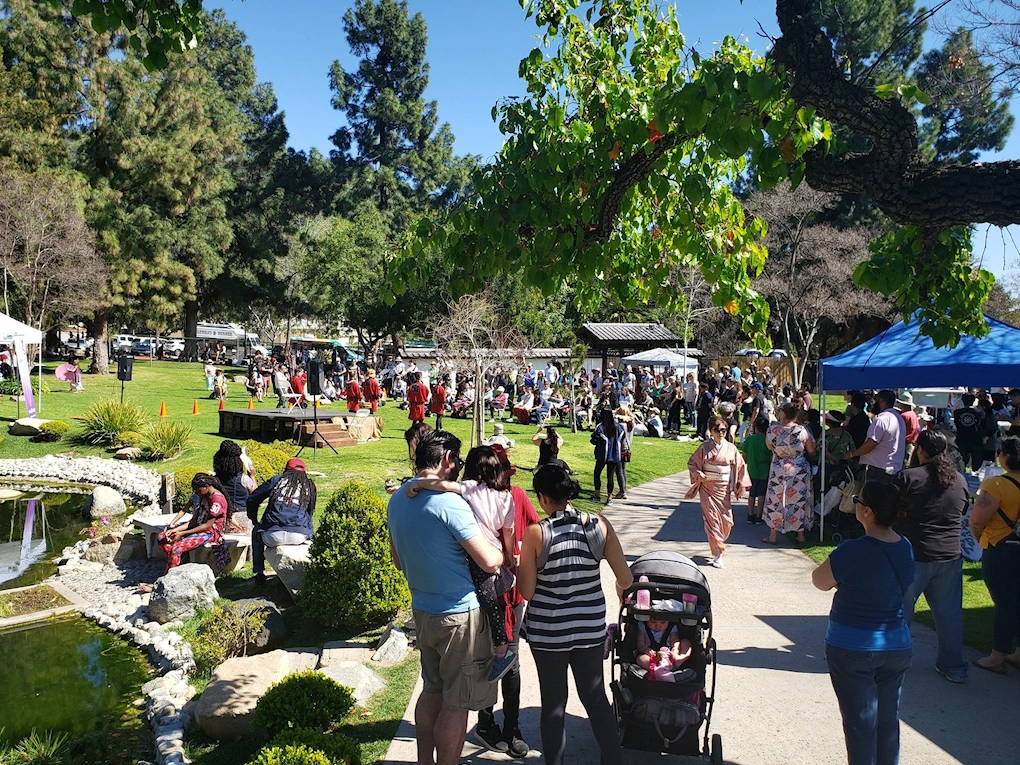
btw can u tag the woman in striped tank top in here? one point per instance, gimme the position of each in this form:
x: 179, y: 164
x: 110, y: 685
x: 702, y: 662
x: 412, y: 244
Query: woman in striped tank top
x: 565, y: 624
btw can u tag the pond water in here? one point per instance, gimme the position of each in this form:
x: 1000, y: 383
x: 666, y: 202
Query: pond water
x: 33, y: 529
x: 67, y: 675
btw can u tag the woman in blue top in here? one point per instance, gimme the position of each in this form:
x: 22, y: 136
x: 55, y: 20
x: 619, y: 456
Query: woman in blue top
x: 867, y: 645
x: 608, y: 439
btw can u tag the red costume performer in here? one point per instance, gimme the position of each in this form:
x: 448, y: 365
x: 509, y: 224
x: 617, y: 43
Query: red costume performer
x: 417, y: 395
x: 372, y: 391
x: 438, y: 405
x: 353, y: 396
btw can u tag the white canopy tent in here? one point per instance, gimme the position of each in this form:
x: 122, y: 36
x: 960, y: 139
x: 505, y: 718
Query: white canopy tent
x: 12, y: 329
x: 661, y: 357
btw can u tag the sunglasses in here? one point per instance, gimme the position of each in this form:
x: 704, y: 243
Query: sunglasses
x: 720, y: 430
x: 859, y: 500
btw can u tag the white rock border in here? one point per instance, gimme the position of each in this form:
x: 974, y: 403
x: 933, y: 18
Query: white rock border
x: 139, y: 484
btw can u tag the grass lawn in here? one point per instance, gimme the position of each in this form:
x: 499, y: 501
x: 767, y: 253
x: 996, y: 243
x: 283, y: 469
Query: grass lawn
x: 977, y: 603
x: 180, y: 384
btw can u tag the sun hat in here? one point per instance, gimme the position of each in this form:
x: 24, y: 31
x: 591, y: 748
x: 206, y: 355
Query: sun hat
x: 905, y: 399
x: 923, y: 414
x: 835, y: 416
x: 295, y: 464
x: 501, y: 389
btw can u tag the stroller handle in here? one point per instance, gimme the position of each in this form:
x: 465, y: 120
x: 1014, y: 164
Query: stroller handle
x: 670, y: 590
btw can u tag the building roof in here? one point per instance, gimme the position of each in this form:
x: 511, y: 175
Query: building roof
x: 628, y: 334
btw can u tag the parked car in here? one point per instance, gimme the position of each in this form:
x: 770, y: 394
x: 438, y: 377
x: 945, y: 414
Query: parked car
x: 123, y: 343
x: 753, y: 353
x: 80, y: 347
x: 141, y: 347
x: 173, y: 349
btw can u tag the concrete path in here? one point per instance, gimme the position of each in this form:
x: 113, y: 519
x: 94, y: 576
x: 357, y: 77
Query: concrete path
x: 775, y: 704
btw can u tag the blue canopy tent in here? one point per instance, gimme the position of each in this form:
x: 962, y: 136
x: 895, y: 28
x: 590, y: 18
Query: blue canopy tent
x: 901, y: 358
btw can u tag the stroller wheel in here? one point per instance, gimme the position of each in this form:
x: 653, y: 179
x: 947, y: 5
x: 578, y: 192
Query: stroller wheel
x: 837, y: 538
x: 717, y: 758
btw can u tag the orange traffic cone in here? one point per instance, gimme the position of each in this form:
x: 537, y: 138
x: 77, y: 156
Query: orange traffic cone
x: 221, y: 404
x: 194, y: 407
x: 162, y: 409
x: 251, y: 403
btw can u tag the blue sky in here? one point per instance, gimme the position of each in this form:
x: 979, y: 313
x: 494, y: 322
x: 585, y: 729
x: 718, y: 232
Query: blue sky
x: 474, y: 49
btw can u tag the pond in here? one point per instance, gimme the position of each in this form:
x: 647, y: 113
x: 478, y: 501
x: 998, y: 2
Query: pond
x: 33, y: 529
x: 67, y: 675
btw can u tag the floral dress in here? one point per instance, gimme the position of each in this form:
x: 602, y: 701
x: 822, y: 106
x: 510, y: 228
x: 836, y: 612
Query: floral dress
x: 788, y: 499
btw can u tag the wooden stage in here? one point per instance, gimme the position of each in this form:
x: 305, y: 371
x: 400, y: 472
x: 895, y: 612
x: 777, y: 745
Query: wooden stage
x: 339, y: 428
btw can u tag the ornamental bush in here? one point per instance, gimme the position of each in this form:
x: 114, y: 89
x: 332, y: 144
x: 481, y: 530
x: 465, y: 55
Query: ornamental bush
x: 351, y: 583
x: 107, y: 419
x: 339, y: 748
x: 305, y: 700
x: 130, y: 438
x: 182, y: 487
x: 290, y: 755
x: 224, y: 632
x: 54, y: 430
x: 165, y: 440
x: 268, y: 461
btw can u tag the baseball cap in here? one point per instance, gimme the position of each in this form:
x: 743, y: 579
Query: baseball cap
x: 757, y: 386
x: 295, y: 464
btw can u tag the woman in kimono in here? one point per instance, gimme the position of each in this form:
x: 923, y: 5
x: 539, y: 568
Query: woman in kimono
x: 788, y: 500
x: 717, y: 473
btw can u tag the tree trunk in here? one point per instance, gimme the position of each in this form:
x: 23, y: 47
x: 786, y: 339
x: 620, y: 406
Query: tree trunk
x: 101, y: 348
x: 191, y: 330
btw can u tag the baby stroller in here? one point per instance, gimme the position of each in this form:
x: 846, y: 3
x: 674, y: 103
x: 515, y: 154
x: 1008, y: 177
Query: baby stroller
x: 657, y: 716
x: 846, y: 484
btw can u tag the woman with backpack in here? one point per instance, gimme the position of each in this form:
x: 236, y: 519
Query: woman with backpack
x: 608, y: 442
x: 565, y: 621
x: 995, y: 523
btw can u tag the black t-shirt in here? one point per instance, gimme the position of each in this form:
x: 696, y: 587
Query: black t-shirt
x: 934, y: 516
x: 857, y: 426
x: 970, y: 430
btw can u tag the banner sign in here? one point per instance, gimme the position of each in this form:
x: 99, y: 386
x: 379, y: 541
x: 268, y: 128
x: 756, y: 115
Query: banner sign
x: 25, y: 375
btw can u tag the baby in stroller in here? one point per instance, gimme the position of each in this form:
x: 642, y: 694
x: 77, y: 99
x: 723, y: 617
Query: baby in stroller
x: 660, y: 649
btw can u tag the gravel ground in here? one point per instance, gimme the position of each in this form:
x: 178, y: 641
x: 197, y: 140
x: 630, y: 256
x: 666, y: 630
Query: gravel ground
x: 100, y: 584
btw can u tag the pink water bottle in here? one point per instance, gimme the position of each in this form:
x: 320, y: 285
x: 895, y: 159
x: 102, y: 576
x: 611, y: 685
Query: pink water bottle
x: 643, y: 597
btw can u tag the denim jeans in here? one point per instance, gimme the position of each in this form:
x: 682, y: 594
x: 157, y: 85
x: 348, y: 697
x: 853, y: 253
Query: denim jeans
x: 867, y: 686
x: 942, y: 586
x: 1001, y: 568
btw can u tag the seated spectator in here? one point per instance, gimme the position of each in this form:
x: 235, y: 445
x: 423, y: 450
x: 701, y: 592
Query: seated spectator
x: 288, y: 517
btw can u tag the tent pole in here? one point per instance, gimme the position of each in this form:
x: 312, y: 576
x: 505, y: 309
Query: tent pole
x: 821, y: 524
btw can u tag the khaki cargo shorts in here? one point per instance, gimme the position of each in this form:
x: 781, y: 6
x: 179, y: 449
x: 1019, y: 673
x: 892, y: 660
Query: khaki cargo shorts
x: 456, y: 656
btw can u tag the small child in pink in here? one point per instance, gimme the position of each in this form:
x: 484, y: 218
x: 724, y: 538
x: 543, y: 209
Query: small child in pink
x: 657, y: 634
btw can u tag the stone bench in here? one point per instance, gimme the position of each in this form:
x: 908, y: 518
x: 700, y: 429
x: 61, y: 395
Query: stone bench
x: 289, y: 562
x: 238, y: 545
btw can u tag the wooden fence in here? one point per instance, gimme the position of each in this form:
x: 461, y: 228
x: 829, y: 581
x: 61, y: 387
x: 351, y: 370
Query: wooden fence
x: 782, y: 368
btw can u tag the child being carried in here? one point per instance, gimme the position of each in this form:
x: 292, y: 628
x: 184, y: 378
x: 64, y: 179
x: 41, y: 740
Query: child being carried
x: 486, y: 489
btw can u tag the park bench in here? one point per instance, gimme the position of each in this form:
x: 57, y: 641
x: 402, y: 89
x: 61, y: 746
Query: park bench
x: 238, y: 545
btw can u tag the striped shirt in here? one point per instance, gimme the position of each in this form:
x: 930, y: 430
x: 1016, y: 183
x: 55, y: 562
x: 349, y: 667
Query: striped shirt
x: 568, y: 610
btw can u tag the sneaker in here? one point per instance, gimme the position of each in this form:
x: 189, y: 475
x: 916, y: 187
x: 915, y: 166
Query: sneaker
x: 488, y: 734
x: 517, y: 747
x: 717, y: 562
x: 751, y: 519
x: 260, y: 580
x: 951, y: 677
x: 501, y: 665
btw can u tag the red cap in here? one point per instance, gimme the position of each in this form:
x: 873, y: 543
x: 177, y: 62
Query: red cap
x: 296, y: 464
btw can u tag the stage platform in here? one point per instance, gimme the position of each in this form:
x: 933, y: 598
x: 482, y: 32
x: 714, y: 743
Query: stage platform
x: 339, y: 428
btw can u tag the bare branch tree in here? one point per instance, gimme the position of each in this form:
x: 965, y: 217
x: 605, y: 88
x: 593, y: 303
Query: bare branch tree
x: 808, y: 277
x: 51, y: 270
x: 996, y: 28
x: 473, y: 336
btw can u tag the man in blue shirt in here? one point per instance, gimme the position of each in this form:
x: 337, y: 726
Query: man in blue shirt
x: 431, y: 537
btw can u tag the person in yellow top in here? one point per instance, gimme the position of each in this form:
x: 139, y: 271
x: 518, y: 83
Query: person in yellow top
x: 992, y: 522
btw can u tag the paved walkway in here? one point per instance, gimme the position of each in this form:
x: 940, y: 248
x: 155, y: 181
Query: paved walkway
x: 775, y: 705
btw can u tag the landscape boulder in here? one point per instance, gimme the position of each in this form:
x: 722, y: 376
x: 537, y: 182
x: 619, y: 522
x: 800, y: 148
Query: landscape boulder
x: 363, y: 681
x: 128, y: 453
x: 112, y: 551
x: 393, y: 646
x: 224, y: 709
x: 26, y: 426
x: 289, y: 561
x: 104, y: 501
x: 274, y: 630
x: 182, y: 591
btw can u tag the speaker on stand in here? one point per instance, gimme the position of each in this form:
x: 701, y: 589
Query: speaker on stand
x: 316, y: 384
x: 125, y: 365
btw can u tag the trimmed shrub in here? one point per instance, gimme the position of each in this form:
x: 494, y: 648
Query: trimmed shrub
x: 130, y: 438
x: 106, y: 420
x: 339, y: 748
x: 12, y: 386
x: 307, y: 700
x: 224, y: 632
x: 182, y: 487
x: 350, y: 555
x: 267, y: 460
x: 290, y: 755
x: 166, y: 440
x: 53, y: 430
